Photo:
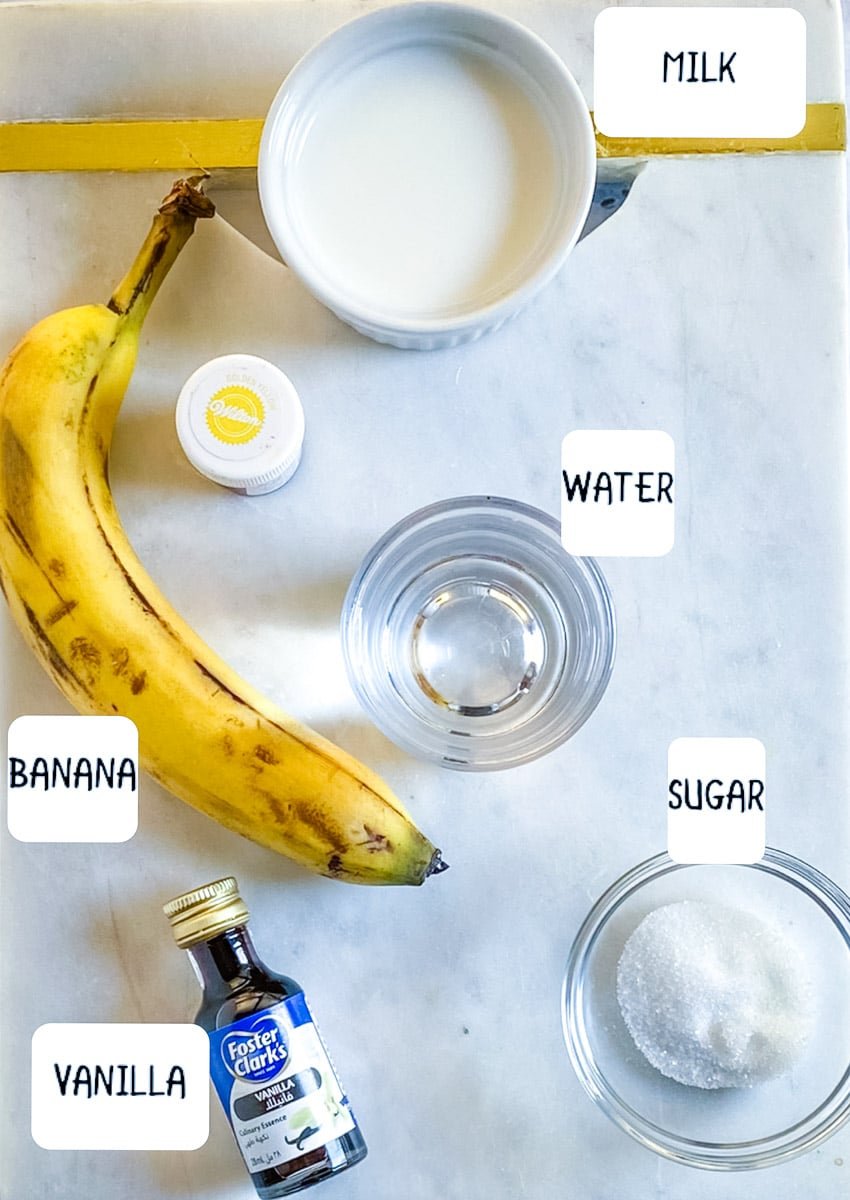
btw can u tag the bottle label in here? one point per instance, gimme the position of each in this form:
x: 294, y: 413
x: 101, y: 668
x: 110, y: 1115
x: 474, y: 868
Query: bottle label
x: 276, y: 1083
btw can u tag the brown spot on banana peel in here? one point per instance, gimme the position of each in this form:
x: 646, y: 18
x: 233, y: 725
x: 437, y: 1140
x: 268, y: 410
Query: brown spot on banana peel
x: 281, y: 815
x: 375, y: 841
x: 61, y: 670
x: 287, y: 811
x: 74, y: 357
x: 84, y: 412
x: 127, y: 575
x: 61, y: 610
x: 103, y: 451
x: 120, y: 659
x: 329, y: 756
x: 266, y: 754
x: 221, y: 686
x: 17, y: 534
x: 252, y: 764
x: 56, y: 567
x: 316, y: 820
x: 87, y: 657
x: 18, y: 478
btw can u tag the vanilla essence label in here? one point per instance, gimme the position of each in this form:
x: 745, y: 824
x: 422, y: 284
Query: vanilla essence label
x: 277, y: 1085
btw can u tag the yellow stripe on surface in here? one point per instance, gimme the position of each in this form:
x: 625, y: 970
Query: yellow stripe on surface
x: 212, y: 145
x: 129, y: 145
x: 825, y: 129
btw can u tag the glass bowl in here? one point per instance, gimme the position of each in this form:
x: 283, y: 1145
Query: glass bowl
x: 472, y: 638
x: 727, y: 1129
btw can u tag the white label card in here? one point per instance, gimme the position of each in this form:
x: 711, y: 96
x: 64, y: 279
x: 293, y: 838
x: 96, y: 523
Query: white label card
x: 716, y: 800
x: 120, y: 1087
x: 72, y: 779
x: 700, y: 72
x: 617, y: 492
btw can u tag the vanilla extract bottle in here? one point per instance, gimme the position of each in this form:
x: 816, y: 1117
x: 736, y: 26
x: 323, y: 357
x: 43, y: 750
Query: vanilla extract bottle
x: 289, y: 1115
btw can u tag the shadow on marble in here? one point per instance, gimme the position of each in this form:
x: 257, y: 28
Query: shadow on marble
x: 214, y: 1172
x: 146, y: 454
x: 315, y: 602
x: 366, y: 742
x: 213, y: 302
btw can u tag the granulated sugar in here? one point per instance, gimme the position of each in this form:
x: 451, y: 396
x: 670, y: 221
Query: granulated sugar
x: 713, y: 996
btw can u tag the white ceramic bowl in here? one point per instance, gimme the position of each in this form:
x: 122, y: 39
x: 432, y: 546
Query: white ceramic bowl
x: 425, y: 170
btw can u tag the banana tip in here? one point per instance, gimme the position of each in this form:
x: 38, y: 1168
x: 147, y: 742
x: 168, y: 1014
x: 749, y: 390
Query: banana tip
x: 437, y: 865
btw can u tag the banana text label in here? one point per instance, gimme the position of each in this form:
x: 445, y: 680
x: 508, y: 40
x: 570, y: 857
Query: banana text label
x: 84, y: 773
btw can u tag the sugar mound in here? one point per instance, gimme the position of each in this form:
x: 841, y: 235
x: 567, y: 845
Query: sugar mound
x: 714, y: 997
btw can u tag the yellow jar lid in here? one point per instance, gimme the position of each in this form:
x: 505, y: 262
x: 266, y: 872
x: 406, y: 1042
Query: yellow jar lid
x: 241, y: 424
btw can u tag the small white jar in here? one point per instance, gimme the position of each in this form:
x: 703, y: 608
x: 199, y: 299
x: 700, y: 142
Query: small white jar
x: 240, y: 423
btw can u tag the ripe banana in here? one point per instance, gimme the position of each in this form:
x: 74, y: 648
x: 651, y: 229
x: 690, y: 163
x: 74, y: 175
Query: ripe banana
x: 111, y: 642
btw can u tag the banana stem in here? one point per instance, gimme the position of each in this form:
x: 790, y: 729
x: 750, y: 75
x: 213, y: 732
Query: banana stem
x: 171, y: 229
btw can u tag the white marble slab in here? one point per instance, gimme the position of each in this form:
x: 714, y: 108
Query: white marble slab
x: 712, y: 306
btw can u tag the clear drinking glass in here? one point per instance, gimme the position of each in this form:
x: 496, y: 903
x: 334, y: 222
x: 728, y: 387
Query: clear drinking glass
x: 473, y: 639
